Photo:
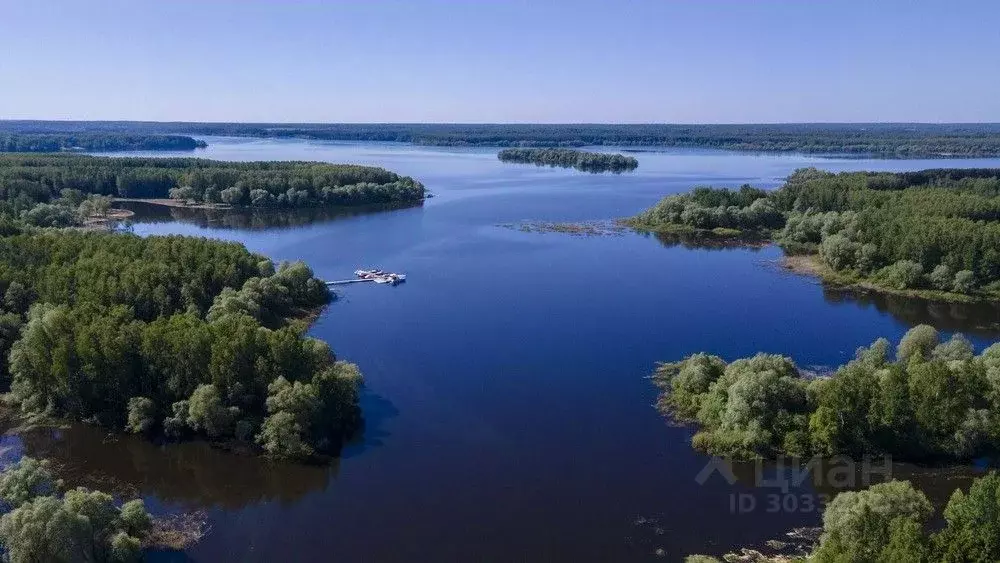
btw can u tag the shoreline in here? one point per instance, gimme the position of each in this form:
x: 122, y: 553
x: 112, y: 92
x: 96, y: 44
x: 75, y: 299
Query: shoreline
x: 810, y: 265
x: 167, y: 202
x: 113, y: 216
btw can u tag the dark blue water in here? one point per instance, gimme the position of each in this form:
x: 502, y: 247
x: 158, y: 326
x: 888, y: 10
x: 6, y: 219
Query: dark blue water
x: 508, y: 412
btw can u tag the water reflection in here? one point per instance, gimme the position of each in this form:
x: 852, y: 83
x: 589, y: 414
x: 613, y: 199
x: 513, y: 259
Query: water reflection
x: 194, y: 475
x: 251, y: 218
x: 979, y: 319
x: 377, y: 410
x: 702, y: 241
x: 827, y: 477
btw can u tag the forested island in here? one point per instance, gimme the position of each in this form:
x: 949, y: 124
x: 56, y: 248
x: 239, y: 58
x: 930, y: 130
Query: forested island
x: 49, y: 190
x: 892, y: 140
x: 96, y: 142
x: 933, y: 233
x: 568, y: 158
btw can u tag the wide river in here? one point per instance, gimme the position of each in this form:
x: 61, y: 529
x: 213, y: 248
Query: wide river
x: 508, y: 411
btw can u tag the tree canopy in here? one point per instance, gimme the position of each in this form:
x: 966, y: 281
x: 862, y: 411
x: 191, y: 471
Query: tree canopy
x: 936, y: 400
x: 42, y: 522
x: 29, y: 180
x: 172, y: 336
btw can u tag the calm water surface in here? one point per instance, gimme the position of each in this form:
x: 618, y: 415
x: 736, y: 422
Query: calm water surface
x: 508, y: 412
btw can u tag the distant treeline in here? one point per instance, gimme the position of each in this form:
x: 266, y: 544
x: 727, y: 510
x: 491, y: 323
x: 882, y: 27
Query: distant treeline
x: 568, y: 158
x: 95, y: 142
x: 929, y: 230
x: 26, y: 181
x: 902, y: 140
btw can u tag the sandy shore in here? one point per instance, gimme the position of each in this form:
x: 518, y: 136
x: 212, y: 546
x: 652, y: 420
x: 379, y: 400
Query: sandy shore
x: 114, y: 215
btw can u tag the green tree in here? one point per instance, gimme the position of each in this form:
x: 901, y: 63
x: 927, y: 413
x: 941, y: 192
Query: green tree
x: 965, y: 282
x: 25, y: 480
x: 141, y: 415
x: 864, y: 525
x: 972, y: 532
x: 207, y: 413
x: 942, y: 278
x: 281, y: 436
x: 918, y: 342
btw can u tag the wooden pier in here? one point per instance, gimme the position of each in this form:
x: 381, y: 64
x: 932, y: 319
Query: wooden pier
x: 345, y: 282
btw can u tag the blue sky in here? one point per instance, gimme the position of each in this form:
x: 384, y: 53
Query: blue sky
x: 501, y: 61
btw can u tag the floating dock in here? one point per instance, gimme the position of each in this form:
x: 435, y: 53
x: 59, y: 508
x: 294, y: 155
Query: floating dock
x: 345, y: 282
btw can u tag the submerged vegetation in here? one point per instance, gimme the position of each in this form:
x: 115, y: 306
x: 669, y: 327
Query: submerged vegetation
x: 894, y: 140
x: 935, y: 400
x: 568, y: 158
x: 29, y: 180
x: 935, y: 231
x: 96, y: 142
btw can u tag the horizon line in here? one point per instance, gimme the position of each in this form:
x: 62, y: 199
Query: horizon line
x: 679, y: 123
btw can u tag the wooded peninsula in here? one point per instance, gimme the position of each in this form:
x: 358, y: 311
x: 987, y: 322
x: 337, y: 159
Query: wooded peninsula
x: 927, y: 399
x: 568, y: 158
x: 934, y: 232
x: 170, y: 337
x: 96, y: 142
x: 886, y: 140
x: 49, y: 190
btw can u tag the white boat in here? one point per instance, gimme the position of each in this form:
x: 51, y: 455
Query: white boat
x: 380, y: 276
x: 367, y: 273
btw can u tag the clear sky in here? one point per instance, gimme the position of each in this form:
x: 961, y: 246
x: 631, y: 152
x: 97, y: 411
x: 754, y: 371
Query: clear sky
x: 669, y: 61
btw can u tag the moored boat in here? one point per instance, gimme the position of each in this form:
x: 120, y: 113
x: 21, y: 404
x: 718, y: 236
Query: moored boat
x: 380, y: 276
